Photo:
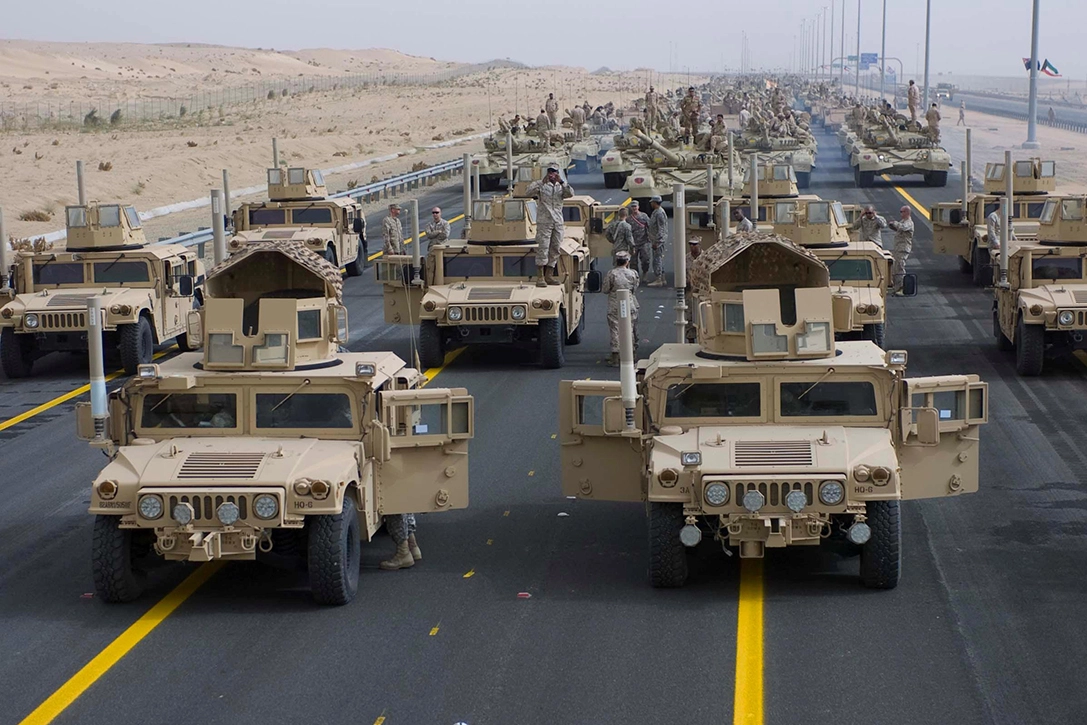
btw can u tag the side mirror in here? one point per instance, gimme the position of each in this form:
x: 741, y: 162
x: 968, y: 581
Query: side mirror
x: 596, y: 225
x: 594, y: 281
x: 909, y: 285
x: 194, y: 329
x: 185, y: 285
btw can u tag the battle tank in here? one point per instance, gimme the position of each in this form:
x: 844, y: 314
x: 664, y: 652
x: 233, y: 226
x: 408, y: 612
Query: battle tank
x: 901, y: 149
x: 525, y: 151
x: 661, y: 167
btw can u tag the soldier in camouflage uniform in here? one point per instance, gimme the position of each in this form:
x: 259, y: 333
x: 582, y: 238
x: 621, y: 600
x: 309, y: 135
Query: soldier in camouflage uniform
x: 620, y: 234
x: 577, y: 118
x: 438, y: 229
x: 549, y: 192
x: 651, y: 101
x: 621, y: 277
x: 401, y: 528
x: 543, y: 126
x: 551, y: 106
x: 690, y: 111
x: 903, y: 245
x: 639, y: 227
x: 870, y: 225
x: 392, y: 232
x: 658, y: 238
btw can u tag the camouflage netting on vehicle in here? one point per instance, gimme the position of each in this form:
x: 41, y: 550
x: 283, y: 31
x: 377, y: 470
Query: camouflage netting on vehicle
x: 297, y: 252
x: 767, y: 258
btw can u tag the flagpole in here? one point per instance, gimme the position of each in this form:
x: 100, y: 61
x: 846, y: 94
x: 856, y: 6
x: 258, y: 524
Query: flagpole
x: 1032, y: 104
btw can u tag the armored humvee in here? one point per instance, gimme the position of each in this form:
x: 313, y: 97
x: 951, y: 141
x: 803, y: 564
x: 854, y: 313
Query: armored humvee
x: 1043, y: 308
x: 299, y: 210
x: 149, y: 291
x: 768, y: 433
x: 1033, y: 181
x: 484, y: 290
x: 272, y: 442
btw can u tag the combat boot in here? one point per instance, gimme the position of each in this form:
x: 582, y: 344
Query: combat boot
x: 541, y: 274
x: 553, y: 275
x: 402, y: 559
x: 413, y: 547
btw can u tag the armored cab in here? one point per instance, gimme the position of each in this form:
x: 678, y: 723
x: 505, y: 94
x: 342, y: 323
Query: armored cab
x: 148, y: 291
x: 1043, y: 308
x: 486, y: 289
x: 299, y: 210
x: 767, y: 432
x: 272, y: 442
x: 898, y: 147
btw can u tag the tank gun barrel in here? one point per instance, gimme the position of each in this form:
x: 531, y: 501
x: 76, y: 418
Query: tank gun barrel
x: 669, y: 154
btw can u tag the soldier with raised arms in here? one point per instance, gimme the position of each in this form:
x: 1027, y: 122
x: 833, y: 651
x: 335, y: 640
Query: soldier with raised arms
x: 549, y: 192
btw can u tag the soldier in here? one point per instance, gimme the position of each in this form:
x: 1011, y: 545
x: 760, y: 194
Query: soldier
x: 903, y: 245
x: 543, y: 126
x: 745, y: 117
x: 691, y: 110
x: 392, y: 232
x: 743, y: 224
x: 438, y: 229
x: 552, y: 108
x: 401, y: 528
x: 694, y: 251
x: 718, y: 134
x: 933, y: 120
x: 993, y: 224
x: 658, y: 238
x: 577, y: 118
x: 620, y: 277
x: 651, y: 100
x: 870, y: 224
x: 549, y: 192
x: 913, y: 100
x: 515, y: 125
x: 962, y: 114
x: 359, y: 227
x: 639, y: 226
x: 620, y: 234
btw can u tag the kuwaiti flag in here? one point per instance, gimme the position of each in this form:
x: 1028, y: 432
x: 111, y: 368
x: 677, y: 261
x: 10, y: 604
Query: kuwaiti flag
x: 1045, y: 67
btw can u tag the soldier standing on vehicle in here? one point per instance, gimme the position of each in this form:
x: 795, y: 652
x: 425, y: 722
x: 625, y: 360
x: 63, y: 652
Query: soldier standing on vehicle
x: 621, y: 277
x: 620, y: 234
x: 903, y: 245
x: 933, y: 119
x: 913, y: 100
x: 745, y: 117
x: 691, y: 110
x: 438, y: 229
x: 543, y: 126
x: 392, y: 231
x: 401, y: 528
x: 658, y: 238
x: 962, y: 114
x: 549, y: 192
x: 993, y: 224
x: 651, y: 100
x: 577, y: 118
x: 552, y: 108
x: 870, y: 225
x: 743, y: 224
x: 639, y: 226
x: 359, y: 227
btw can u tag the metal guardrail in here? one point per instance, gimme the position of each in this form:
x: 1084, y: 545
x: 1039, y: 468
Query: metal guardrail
x: 371, y: 192
x: 1043, y: 120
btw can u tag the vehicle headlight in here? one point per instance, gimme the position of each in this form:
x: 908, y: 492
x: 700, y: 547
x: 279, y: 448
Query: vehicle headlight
x: 429, y: 305
x: 691, y: 458
x: 519, y: 312
x: 796, y: 501
x: 831, y: 493
x: 150, y: 506
x: 862, y: 473
x: 183, y: 513
x: 107, y: 490
x: 455, y: 314
x: 716, y: 494
x: 31, y: 320
x: 1067, y: 317
x: 1036, y: 310
x: 228, y: 513
x: 265, y: 506
x: 754, y: 500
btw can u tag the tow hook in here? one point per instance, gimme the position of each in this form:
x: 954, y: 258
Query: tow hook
x: 690, y: 535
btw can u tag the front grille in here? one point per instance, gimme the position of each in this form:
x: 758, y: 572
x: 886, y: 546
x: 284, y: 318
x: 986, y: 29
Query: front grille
x: 62, y: 320
x: 1080, y: 296
x: 487, y: 314
x: 772, y: 453
x: 774, y: 491
x: 205, y: 505
x: 221, y: 465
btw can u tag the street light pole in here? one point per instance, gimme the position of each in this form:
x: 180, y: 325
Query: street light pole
x: 823, y: 57
x: 1032, y: 104
x: 883, y: 55
x: 858, y: 48
x: 841, y: 70
x: 830, y: 70
x: 928, y: 37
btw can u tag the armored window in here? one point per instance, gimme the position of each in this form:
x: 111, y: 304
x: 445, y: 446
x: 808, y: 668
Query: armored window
x: 109, y: 216
x: 827, y: 399
x: 267, y: 217
x: 51, y: 273
x: 133, y: 217
x: 77, y: 216
x: 714, y: 400
x: 766, y: 341
x: 1024, y: 169
x: 514, y: 211
x: 733, y: 316
x: 274, y: 351
x: 296, y: 176
x: 275, y: 177
x: 994, y: 172
x: 1049, y: 212
x: 304, y: 410
x: 522, y: 266
x: 950, y: 403
x: 222, y: 350
x: 571, y: 213
x: 1034, y: 210
x: 309, y: 324
x: 189, y: 410
x: 318, y: 178
x: 1049, y: 169
x: 1049, y: 267
x: 839, y: 214
x: 819, y: 213
x: 481, y: 211
x: 312, y: 215
x: 850, y: 268
x: 118, y: 272
x: 467, y: 266
x: 423, y: 419
x: 524, y: 173
x: 1072, y: 209
x: 784, y: 212
x: 783, y: 173
x: 816, y: 337
x: 530, y: 209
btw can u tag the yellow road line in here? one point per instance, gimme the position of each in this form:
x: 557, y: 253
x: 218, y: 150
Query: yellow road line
x: 70, y: 691
x: 409, y: 240
x: 609, y: 217
x: 15, y: 420
x: 748, y: 699
x: 913, y: 202
x: 118, y: 648
x: 434, y: 630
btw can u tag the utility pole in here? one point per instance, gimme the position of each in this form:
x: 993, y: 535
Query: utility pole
x: 823, y: 57
x: 859, y: 49
x: 883, y: 54
x: 928, y: 37
x: 830, y: 70
x: 1032, y: 103
x: 841, y: 71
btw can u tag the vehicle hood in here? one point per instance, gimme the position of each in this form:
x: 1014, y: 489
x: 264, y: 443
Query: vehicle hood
x: 1063, y: 296
x: 61, y: 300
x: 493, y: 294
x: 288, y: 234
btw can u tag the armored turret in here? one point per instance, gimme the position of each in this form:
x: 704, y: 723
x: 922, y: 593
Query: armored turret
x: 296, y: 184
x: 1030, y: 176
x: 98, y: 226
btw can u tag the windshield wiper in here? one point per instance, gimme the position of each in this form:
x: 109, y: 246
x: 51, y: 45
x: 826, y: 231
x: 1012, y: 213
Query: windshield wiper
x: 156, y: 405
x: 829, y: 372
x: 304, y: 384
x: 119, y: 258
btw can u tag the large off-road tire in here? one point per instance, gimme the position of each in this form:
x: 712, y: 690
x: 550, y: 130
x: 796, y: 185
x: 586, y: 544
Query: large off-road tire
x: 355, y: 266
x: 881, y: 556
x: 1002, y: 341
x: 936, y: 178
x: 980, y: 268
x: 1029, y: 348
x: 552, y: 334
x: 136, y: 344
x: 330, y: 256
x: 575, y: 337
x: 334, y: 551
x: 613, y: 180
x: 966, y: 266
x: 866, y: 179
x: 667, y: 554
x: 431, y: 344
x: 876, y: 333
x: 116, y: 579
x: 803, y: 179
x: 16, y: 353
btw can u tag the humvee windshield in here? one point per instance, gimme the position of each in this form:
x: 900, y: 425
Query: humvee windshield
x: 522, y: 266
x: 312, y: 215
x: 850, y: 268
x: 304, y: 410
x: 468, y: 266
x: 813, y: 399
x: 1048, y: 267
x: 55, y: 273
x: 118, y: 272
x: 189, y: 410
x: 1034, y: 210
x: 267, y: 217
x: 714, y: 400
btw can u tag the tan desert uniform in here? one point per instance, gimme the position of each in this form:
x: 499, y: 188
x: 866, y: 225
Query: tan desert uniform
x: 933, y: 119
x: 642, y: 259
x: 718, y: 136
x: 870, y: 228
x: 438, y: 231
x: 552, y: 108
x: 620, y: 278
x: 913, y: 99
x: 903, y: 245
x: 993, y: 222
x: 658, y: 238
x: 621, y: 236
x: 577, y: 117
x: 691, y: 109
x: 651, y: 106
x: 543, y: 126
x: 392, y: 232
x: 744, y: 225
x: 549, y: 225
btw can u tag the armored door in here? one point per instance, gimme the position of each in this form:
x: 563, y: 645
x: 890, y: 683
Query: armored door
x: 601, y: 459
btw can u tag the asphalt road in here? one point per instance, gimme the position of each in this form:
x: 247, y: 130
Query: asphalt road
x: 984, y: 628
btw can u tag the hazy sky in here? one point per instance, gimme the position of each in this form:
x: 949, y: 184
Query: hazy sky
x: 968, y: 36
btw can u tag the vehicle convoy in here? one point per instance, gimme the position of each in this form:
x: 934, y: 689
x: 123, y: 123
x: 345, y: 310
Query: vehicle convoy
x: 299, y: 210
x: 272, y: 442
x: 898, y: 147
x: 966, y: 236
x: 149, y: 290
x: 798, y: 154
x: 527, y: 152
x: 660, y: 167
x: 1043, y: 308
x: 484, y: 289
x: 767, y: 433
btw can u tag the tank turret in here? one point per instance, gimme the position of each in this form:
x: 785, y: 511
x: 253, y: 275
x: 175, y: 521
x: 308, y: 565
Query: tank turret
x: 98, y: 226
x: 503, y: 220
x: 271, y: 306
x: 296, y: 184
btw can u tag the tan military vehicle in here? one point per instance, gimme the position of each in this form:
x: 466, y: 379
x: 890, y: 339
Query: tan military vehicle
x: 526, y: 153
x: 149, y: 291
x: 767, y: 433
x: 1043, y: 308
x: 534, y: 167
x: 298, y: 210
x: 483, y: 290
x: 899, y: 148
x: 272, y: 442
x: 660, y: 167
x: 966, y: 236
